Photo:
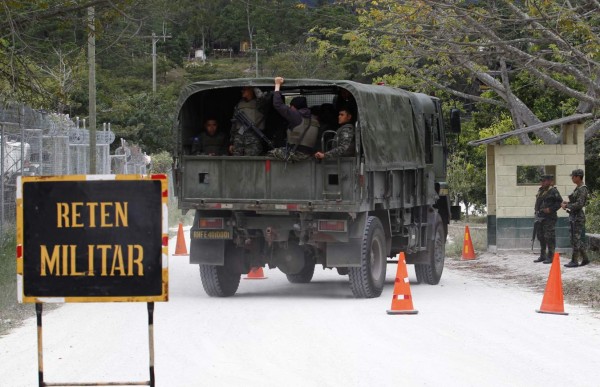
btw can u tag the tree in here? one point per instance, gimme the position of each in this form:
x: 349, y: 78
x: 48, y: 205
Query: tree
x: 459, y: 46
x: 466, y: 184
x: 34, y: 38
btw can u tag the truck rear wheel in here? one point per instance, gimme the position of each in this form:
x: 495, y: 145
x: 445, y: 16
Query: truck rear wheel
x: 367, y: 280
x: 431, y: 273
x: 307, y: 272
x: 218, y: 281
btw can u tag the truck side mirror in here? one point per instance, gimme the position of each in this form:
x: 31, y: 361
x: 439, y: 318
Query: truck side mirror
x: 455, y: 120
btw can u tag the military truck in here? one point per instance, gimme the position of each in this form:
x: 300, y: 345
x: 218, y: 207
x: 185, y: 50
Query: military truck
x: 349, y: 213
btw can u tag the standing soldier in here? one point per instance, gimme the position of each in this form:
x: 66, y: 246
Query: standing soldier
x: 547, y: 203
x: 245, y: 141
x: 574, y: 207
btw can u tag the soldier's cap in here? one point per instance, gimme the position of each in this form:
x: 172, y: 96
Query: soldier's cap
x: 299, y: 102
x: 547, y: 177
x: 577, y: 172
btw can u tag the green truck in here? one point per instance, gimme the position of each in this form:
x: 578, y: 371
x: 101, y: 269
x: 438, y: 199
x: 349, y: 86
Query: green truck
x: 348, y: 213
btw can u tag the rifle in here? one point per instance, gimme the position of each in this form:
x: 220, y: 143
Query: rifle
x: 241, y: 117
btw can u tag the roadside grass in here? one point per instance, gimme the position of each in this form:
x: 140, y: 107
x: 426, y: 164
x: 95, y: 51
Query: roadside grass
x: 11, y: 312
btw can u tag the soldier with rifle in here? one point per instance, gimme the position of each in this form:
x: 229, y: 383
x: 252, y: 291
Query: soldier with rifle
x: 577, y: 200
x: 246, y: 139
x: 547, y: 203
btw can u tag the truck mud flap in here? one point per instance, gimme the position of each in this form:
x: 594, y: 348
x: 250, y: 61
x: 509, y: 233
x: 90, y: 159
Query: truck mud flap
x: 208, y: 252
x: 345, y: 254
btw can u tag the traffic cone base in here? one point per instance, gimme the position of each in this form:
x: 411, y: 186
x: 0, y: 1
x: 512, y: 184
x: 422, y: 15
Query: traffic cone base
x: 256, y: 273
x: 553, y: 302
x: 402, y: 299
x: 180, y: 247
x: 468, y: 253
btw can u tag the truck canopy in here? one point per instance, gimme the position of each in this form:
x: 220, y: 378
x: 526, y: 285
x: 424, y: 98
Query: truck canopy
x: 390, y: 121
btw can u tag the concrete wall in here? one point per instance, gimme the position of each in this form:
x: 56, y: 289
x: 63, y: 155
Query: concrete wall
x: 510, y: 206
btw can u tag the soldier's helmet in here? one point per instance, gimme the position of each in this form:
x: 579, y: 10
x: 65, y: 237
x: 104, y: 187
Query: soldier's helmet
x: 577, y: 172
x: 547, y: 177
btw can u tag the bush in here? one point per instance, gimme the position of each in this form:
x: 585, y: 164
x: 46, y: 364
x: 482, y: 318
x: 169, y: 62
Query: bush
x: 161, y: 162
x: 592, y: 211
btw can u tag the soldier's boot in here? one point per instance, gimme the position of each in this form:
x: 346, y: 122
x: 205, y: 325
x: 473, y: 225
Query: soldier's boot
x: 573, y: 262
x: 550, y: 255
x: 542, y: 256
x: 585, y: 260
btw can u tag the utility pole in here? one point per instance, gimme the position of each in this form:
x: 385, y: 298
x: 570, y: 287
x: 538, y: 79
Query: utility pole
x: 92, y: 87
x: 155, y: 39
x: 256, y: 50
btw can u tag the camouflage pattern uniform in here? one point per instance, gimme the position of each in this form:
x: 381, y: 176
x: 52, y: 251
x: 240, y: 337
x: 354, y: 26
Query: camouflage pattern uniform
x: 578, y: 200
x: 343, y: 143
x: 245, y: 141
x: 550, y: 198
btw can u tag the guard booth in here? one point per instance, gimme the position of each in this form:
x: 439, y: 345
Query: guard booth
x: 513, y: 179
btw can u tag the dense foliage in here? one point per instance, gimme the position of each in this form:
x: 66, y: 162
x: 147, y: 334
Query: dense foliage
x: 505, y: 64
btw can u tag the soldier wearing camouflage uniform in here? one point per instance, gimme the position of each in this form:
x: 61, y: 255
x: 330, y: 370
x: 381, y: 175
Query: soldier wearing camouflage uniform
x: 303, y: 127
x: 577, y: 200
x: 343, y: 140
x: 245, y: 141
x: 547, y: 203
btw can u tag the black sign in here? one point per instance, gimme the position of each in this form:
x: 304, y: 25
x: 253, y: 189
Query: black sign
x: 93, y: 240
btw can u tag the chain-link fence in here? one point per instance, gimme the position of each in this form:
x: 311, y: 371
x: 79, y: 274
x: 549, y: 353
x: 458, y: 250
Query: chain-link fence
x: 36, y: 143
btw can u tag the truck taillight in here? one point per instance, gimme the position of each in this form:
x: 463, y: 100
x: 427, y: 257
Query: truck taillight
x: 332, y: 225
x: 211, y: 223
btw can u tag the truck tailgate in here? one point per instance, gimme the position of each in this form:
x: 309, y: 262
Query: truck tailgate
x: 232, y: 178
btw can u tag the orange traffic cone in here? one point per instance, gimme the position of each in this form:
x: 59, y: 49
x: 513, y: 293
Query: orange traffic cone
x: 256, y: 273
x: 402, y: 300
x: 180, y: 248
x: 468, y: 252
x: 553, y: 295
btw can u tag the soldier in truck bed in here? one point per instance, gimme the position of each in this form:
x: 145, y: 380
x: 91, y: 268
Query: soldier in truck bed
x: 210, y: 142
x: 344, y: 137
x: 303, y: 127
x: 245, y: 141
x: 547, y: 203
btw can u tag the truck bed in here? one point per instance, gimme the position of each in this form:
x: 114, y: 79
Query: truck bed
x: 251, y: 179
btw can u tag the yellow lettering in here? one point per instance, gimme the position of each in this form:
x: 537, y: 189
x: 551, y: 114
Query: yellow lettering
x: 103, y: 249
x: 91, y: 260
x: 117, y: 260
x: 121, y: 214
x: 137, y: 261
x: 76, y: 214
x: 65, y: 259
x: 92, y: 210
x: 52, y: 263
x: 62, y: 214
x: 74, y: 271
x: 104, y: 214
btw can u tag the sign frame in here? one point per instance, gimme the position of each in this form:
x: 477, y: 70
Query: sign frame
x: 23, y: 240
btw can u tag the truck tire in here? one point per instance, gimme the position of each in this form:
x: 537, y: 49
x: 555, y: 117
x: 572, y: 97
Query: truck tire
x: 217, y: 281
x: 367, y: 280
x: 431, y: 273
x: 307, y: 272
